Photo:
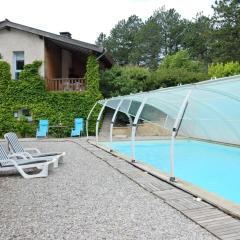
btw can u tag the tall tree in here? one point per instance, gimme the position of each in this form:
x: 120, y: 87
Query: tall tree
x: 171, y: 27
x: 101, y: 40
x: 161, y: 35
x: 121, y: 40
x: 226, y: 35
x: 148, y: 41
x: 197, y: 37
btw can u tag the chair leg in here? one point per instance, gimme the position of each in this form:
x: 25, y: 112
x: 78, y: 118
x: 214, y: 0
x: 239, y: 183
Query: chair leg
x: 42, y: 173
x: 55, y: 163
x: 60, y: 158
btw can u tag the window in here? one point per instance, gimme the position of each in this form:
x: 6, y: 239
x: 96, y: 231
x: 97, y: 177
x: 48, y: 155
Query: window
x: 23, y: 113
x: 18, y: 58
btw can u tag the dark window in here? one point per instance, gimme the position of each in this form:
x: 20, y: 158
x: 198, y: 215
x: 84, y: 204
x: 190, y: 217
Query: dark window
x: 19, y: 64
x: 18, y: 58
x: 25, y: 112
x: 17, y: 75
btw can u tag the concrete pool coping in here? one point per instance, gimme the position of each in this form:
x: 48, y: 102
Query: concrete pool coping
x: 225, y: 205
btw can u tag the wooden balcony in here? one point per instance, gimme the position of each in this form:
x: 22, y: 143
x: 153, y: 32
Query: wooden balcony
x: 66, y: 84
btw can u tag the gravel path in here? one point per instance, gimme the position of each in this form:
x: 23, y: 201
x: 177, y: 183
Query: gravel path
x: 87, y: 199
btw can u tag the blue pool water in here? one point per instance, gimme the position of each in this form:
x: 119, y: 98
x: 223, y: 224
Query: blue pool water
x: 213, y: 167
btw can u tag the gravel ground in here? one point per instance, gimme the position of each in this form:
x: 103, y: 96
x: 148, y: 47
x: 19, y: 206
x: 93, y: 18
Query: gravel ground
x: 87, y: 199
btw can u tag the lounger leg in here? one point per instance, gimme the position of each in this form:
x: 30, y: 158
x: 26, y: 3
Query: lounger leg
x: 42, y: 167
x: 60, y: 159
x: 55, y: 163
x: 50, y: 167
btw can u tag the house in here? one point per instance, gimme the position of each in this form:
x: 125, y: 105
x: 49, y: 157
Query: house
x: 64, y: 59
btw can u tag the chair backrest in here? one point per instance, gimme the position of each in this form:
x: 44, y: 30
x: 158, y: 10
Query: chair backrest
x: 4, y: 160
x: 3, y: 153
x: 13, y: 142
x: 78, y: 122
x: 43, y: 125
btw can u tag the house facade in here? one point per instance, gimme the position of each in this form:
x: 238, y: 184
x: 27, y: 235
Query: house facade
x: 64, y: 59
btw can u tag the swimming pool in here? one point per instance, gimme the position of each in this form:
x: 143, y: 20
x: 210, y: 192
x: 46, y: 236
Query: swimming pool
x: 213, y: 167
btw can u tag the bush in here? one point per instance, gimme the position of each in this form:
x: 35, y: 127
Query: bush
x: 224, y: 70
x: 124, y: 80
x: 92, y: 75
x: 23, y: 128
x: 175, y: 69
x: 175, y: 76
x: 181, y: 60
x: 5, y: 75
x: 178, y: 69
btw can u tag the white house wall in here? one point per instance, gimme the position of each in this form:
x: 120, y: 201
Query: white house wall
x: 15, y: 40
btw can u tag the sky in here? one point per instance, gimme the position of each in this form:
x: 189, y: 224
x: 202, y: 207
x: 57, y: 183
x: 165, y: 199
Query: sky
x: 86, y: 19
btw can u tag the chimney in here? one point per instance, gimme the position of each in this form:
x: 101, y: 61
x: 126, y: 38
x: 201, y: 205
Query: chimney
x: 66, y: 34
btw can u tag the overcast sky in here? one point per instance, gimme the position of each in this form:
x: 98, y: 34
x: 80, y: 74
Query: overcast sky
x: 86, y: 19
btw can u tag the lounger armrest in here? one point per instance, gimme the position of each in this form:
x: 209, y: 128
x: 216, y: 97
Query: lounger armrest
x: 13, y: 162
x: 32, y: 149
x: 17, y: 155
x: 25, y: 154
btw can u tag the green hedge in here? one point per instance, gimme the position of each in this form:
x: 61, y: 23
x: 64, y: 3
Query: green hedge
x: 224, y: 70
x: 29, y: 93
x: 174, y: 76
x: 131, y: 79
x: 124, y: 80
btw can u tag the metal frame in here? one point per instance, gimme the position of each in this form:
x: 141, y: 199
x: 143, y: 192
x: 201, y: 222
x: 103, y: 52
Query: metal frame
x: 88, y: 117
x: 99, y: 118
x: 134, y: 126
x: 113, y: 119
x: 175, y: 131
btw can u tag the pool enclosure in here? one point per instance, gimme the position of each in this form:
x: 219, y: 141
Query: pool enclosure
x: 208, y: 110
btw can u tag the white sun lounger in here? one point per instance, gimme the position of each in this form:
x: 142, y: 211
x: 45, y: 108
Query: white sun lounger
x: 16, y: 147
x: 20, y: 163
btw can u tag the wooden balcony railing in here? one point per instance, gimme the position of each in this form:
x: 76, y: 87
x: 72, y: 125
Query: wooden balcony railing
x: 66, y: 84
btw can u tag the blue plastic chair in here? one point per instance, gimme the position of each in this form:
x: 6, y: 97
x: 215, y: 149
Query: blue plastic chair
x: 77, y: 131
x: 42, y: 130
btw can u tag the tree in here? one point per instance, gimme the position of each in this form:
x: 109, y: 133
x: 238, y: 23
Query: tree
x: 226, y: 34
x: 196, y: 38
x: 121, y: 40
x: 101, y: 40
x: 160, y: 35
x: 171, y: 27
x: 148, y: 41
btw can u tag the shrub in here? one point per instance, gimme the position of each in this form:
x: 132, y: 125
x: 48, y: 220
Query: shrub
x: 181, y: 60
x: 92, y: 75
x: 124, y: 80
x: 5, y: 75
x: 175, y: 69
x: 178, y: 69
x: 175, y: 76
x: 224, y: 70
x: 23, y: 127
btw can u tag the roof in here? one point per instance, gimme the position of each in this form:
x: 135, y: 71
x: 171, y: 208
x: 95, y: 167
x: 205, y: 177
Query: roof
x: 99, y: 50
